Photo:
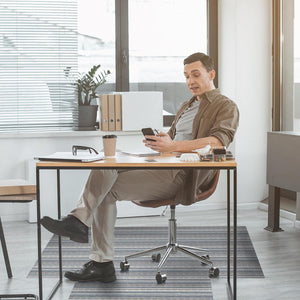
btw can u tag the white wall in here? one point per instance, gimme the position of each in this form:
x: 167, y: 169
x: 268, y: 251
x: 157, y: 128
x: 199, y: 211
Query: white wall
x: 297, y: 106
x: 245, y: 76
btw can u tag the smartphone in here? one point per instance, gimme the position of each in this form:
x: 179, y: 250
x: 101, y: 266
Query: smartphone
x: 148, y: 131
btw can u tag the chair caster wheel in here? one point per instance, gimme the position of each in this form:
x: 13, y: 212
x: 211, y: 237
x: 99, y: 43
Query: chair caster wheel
x: 160, y: 278
x: 205, y: 257
x: 124, y: 265
x: 156, y: 257
x: 214, y: 272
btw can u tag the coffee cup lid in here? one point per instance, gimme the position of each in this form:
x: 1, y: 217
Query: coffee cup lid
x: 109, y: 136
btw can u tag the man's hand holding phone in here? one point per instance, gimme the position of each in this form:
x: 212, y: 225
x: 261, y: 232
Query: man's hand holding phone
x: 149, y: 132
x: 161, y: 142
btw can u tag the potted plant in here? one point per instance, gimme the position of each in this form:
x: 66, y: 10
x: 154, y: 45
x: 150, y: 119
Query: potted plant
x: 86, y: 86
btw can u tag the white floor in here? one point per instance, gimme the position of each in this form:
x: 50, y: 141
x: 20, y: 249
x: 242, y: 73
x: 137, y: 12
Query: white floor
x: 278, y: 253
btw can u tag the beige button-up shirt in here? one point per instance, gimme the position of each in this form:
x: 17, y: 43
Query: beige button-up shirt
x: 217, y: 116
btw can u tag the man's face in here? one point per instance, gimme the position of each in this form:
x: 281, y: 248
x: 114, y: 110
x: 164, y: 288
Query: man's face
x: 198, y: 79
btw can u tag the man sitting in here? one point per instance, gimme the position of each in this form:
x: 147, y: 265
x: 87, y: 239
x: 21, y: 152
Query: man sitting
x: 208, y: 118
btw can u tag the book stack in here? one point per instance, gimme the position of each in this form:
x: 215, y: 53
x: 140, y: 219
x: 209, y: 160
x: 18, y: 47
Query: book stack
x: 111, y: 112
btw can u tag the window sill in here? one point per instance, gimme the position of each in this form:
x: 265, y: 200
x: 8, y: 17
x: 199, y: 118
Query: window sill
x: 59, y: 134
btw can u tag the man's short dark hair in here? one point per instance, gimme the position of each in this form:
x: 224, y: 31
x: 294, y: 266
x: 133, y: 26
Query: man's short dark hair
x: 207, y: 61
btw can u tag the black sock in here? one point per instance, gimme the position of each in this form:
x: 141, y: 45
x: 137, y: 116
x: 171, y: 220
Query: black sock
x: 101, y: 264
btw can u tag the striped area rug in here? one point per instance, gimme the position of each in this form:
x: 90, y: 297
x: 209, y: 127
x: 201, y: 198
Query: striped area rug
x: 186, y: 277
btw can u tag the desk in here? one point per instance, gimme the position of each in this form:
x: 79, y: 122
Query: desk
x: 166, y: 161
x: 283, y: 171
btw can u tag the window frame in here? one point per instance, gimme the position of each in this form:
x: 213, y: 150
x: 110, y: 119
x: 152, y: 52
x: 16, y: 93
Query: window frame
x: 122, y: 41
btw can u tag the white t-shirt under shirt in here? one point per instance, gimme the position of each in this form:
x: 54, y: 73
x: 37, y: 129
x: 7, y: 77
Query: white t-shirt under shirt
x: 185, y: 123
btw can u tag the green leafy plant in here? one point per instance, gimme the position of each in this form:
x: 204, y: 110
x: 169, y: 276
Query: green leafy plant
x: 88, y: 83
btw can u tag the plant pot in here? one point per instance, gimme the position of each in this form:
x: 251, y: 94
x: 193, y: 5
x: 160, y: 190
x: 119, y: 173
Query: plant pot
x: 86, y: 117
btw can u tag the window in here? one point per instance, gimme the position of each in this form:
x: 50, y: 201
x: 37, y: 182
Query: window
x: 152, y: 39
x: 38, y: 57
x: 161, y: 34
x: 45, y: 43
x: 96, y: 35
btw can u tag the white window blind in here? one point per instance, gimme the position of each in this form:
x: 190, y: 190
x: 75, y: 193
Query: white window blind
x: 38, y: 63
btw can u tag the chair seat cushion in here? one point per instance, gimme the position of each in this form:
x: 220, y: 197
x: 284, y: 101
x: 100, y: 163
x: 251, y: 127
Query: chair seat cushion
x: 155, y: 203
x: 201, y: 196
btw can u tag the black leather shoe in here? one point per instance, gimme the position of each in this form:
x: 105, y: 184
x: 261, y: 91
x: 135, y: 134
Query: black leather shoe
x: 93, y: 271
x: 69, y: 226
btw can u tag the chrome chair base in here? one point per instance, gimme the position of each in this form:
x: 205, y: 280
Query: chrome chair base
x: 172, y: 247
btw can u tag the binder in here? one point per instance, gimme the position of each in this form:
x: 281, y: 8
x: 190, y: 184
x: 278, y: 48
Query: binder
x: 104, y: 112
x: 98, y: 120
x: 118, y: 111
x: 111, y: 113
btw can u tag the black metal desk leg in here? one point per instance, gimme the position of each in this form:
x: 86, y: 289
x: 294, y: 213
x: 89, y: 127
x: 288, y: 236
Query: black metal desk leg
x: 59, y: 217
x: 59, y: 282
x: 38, y: 214
x: 228, y: 226
x: 40, y: 271
x: 273, y: 209
x: 232, y: 289
x: 234, y: 233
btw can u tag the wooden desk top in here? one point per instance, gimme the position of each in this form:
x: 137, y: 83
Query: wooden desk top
x: 123, y: 161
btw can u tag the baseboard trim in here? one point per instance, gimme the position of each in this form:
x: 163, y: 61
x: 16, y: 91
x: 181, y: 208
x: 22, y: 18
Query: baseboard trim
x: 201, y: 206
x: 297, y: 224
x: 283, y: 213
x: 14, y: 217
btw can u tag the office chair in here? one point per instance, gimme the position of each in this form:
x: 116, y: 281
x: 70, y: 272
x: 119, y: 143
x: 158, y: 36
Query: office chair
x: 172, y: 245
x: 14, y: 191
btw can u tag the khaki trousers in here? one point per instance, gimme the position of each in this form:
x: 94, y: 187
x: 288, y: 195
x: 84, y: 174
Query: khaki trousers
x: 97, y: 204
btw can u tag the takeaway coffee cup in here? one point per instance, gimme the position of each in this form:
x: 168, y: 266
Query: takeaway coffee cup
x: 109, y: 145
